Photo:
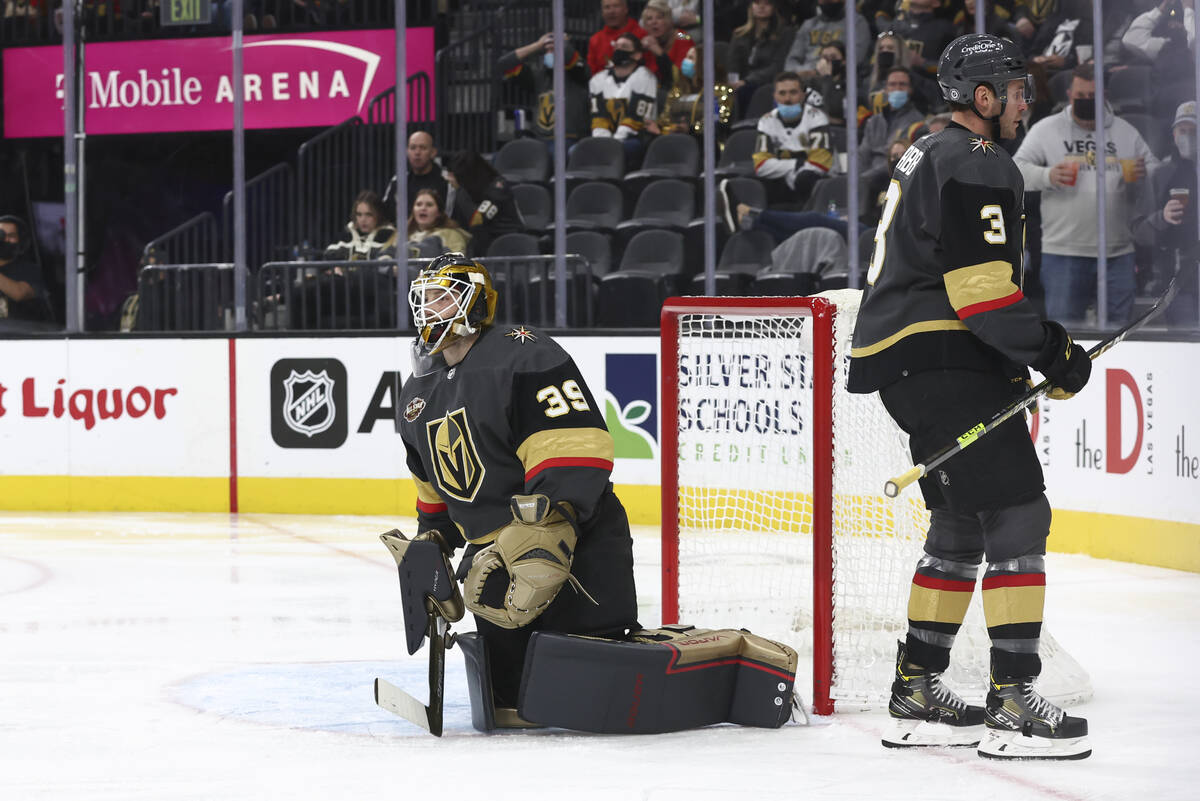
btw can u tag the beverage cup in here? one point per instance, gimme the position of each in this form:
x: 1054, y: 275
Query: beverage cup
x: 1182, y: 194
x: 1129, y: 170
x: 1074, y: 165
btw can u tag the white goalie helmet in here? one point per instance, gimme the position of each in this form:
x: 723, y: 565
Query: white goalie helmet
x: 450, y: 299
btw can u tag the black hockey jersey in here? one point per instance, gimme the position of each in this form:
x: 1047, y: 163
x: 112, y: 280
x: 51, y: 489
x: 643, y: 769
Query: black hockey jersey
x: 944, y: 287
x: 515, y: 416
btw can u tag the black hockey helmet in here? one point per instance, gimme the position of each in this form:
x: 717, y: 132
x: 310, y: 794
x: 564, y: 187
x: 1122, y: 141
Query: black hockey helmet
x: 982, y: 58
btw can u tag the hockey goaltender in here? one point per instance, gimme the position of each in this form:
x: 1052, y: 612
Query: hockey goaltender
x: 512, y: 460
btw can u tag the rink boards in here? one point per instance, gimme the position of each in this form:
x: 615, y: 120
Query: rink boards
x: 306, y: 425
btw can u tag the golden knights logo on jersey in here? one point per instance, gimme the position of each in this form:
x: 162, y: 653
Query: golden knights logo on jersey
x: 457, y: 467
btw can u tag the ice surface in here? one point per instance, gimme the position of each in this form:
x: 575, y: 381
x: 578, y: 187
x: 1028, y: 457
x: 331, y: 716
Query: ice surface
x: 170, y: 656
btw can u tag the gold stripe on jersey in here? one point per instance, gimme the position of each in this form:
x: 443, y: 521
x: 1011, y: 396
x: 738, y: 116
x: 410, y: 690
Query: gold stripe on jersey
x: 565, y: 443
x: 979, y: 283
x: 760, y: 157
x: 820, y: 157
x: 923, y: 327
x: 1006, y: 605
x: 426, y: 493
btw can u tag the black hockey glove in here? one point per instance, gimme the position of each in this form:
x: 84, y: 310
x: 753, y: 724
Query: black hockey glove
x: 1063, y: 362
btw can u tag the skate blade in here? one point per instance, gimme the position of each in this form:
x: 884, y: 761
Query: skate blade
x: 925, y: 734
x: 1014, y: 745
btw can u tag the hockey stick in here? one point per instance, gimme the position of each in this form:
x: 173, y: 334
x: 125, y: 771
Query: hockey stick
x: 895, y: 485
x: 393, y: 699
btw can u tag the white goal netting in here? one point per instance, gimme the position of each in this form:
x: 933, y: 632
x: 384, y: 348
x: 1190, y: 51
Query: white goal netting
x: 747, y: 444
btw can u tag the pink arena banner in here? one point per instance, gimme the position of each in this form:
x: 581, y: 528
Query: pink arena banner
x: 159, y: 85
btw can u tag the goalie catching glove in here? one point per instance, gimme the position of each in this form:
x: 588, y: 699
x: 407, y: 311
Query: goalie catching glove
x: 1067, y: 365
x: 514, y: 579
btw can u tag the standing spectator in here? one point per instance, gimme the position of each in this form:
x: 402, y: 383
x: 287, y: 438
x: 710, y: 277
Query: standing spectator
x: 1164, y: 37
x: 683, y: 110
x: 816, y: 32
x: 368, y: 234
x: 536, y: 60
x: 428, y: 220
x: 1058, y: 158
x: 786, y: 158
x: 664, y: 45
x: 925, y: 35
x: 898, y: 115
x: 425, y: 171
x: 617, y: 21
x: 23, y: 300
x: 758, y: 49
x: 496, y: 209
x: 624, y: 96
x: 1171, y: 228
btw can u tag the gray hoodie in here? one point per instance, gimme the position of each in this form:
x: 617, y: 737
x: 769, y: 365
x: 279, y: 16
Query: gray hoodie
x: 1069, y: 212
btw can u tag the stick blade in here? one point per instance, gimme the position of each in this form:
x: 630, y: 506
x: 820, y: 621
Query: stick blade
x: 390, y: 697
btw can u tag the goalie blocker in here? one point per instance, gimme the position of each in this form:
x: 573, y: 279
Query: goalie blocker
x: 668, y: 679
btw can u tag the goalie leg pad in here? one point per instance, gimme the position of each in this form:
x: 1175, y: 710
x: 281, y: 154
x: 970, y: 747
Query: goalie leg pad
x: 485, y: 715
x: 665, y: 680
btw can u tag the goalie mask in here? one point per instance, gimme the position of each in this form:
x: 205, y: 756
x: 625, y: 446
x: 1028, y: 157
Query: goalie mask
x: 450, y: 299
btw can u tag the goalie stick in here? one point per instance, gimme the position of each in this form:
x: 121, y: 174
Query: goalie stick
x: 895, y: 485
x: 393, y: 699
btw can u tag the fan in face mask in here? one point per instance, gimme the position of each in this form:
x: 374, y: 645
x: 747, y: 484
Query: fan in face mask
x: 833, y: 9
x: 10, y: 239
x: 1083, y: 102
x: 789, y: 99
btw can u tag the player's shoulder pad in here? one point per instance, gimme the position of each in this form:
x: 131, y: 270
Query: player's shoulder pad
x: 517, y: 347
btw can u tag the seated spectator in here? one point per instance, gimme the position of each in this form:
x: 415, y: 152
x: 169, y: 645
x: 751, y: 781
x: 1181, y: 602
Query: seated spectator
x: 368, y: 235
x: 624, y: 97
x: 685, y: 14
x: 496, y: 209
x: 882, y: 128
x: 758, y: 49
x: 997, y: 20
x: 535, y: 61
x: 1058, y: 158
x: 827, y: 26
x: 428, y: 219
x: 1065, y: 29
x: 830, y: 83
x: 664, y: 45
x: 1163, y: 37
x: 425, y: 171
x: 1171, y: 228
x: 875, y: 182
x: 617, y: 21
x: 24, y: 304
x: 683, y: 110
x: 787, y: 159
x: 925, y: 35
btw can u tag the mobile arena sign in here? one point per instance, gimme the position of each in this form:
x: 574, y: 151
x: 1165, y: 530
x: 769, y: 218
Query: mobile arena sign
x: 160, y: 85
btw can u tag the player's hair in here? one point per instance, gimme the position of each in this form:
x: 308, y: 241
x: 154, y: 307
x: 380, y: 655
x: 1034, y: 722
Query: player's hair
x: 892, y: 70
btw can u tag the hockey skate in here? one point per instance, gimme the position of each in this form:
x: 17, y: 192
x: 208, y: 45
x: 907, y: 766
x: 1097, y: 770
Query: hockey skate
x: 1021, y: 724
x: 925, y: 712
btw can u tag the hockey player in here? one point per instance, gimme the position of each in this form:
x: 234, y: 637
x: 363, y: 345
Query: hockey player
x: 790, y: 154
x: 490, y: 414
x: 944, y: 335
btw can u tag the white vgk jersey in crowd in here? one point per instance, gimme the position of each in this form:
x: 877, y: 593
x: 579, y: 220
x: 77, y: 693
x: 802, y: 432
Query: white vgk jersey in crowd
x: 783, y: 147
x: 622, y: 103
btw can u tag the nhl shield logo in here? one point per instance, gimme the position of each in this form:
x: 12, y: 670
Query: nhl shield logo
x: 308, y: 405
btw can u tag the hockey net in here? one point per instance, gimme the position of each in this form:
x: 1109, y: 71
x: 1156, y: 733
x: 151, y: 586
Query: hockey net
x: 774, y: 517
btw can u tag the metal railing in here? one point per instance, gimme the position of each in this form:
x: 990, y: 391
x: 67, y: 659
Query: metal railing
x: 194, y: 241
x: 270, y: 215
x: 185, y: 297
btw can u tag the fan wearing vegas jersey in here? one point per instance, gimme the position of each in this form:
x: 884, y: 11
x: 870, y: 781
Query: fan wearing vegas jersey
x: 792, y: 152
x: 515, y: 417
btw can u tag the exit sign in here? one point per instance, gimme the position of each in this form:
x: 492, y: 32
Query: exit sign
x: 185, y: 12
